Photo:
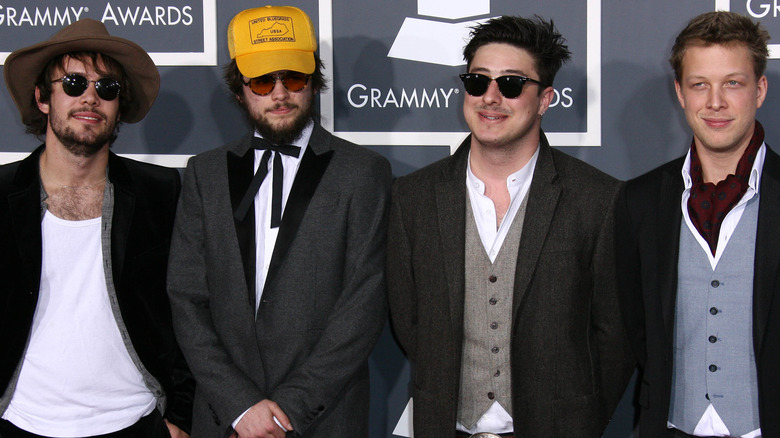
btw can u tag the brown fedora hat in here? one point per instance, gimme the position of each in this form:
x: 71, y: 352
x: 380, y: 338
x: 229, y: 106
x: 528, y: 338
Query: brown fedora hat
x: 23, y: 66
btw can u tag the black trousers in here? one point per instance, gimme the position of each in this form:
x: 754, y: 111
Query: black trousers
x: 150, y: 426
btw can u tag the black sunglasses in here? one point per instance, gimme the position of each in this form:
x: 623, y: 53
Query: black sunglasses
x: 510, y: 86
x: 292, y: 81
x: 75, y: 85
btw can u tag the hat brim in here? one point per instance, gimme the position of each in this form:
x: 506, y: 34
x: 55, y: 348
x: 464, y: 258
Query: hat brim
x: 23, y: 66
x: 257, y: 64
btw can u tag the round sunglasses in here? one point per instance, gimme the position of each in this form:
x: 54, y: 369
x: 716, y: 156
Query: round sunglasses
x: 292, y: 81
x: 75, y: 85
x: 509, y: 86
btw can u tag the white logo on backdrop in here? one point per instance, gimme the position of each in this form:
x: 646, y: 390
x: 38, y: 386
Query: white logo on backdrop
x: 434, y: 36
x: 56, y: 17
x: 438, y: 42
x: 757, y: 9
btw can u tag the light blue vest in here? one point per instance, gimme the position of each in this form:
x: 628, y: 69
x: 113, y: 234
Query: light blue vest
x: 714, y: 360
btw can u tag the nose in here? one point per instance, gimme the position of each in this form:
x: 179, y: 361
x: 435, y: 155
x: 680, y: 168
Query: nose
x: 279, y: 91
x: 492, y: 94
x: 715, y: 100
x: 90, y: 96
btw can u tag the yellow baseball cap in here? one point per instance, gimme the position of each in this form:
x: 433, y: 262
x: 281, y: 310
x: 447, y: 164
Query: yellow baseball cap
x: 271, y: 38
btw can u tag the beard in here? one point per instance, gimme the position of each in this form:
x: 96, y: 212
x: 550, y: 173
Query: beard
x: 87, y: 143
x: 288, y: 133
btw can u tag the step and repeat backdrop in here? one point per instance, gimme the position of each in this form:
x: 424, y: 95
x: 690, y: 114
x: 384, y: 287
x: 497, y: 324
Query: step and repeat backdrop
x: 393, y: 87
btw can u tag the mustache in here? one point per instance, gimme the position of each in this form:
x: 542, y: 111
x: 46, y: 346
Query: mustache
x: 88, y: 109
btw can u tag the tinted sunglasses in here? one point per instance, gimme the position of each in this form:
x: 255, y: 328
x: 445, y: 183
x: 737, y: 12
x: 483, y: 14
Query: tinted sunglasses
x: 75, y: 85
x: 510, y: 86
x: 292, y: 81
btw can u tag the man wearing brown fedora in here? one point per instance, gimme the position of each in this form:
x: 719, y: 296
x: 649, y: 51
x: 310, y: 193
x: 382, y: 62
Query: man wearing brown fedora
x: 87, y: 343
x: 277, y: 280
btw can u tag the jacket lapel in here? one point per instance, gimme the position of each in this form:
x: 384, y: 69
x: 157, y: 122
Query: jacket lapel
x: 668, y: 239
x: 543, y: 198
x: 767, y: 257
x: 240, y: 166
x: 451, y: 207
x: 24, y: 205
x: 122, y: 216
x: 314, y: 162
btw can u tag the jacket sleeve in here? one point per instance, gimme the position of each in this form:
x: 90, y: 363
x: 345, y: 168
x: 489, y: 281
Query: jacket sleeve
x: 627, y: 260
x: 617, y: 363
x: 400, y: 278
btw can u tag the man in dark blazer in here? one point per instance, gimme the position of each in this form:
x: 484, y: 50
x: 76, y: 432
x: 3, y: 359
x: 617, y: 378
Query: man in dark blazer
x: 88, y: 345
x: 697, y: 248
x: 520, y: 337
x: 277, y: 319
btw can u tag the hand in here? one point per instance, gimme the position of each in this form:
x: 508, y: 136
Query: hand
x: 258, y: 422
x: 175, y: 431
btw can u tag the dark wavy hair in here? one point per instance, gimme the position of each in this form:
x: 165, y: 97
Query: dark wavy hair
x: 104, y: 65
x: 535, y: 35
x: 722, y: 28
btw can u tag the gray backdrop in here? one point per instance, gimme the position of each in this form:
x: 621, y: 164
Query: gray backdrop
x: 393, y: 68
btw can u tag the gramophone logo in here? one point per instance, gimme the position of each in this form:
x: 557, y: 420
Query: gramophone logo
x: 434, y: 40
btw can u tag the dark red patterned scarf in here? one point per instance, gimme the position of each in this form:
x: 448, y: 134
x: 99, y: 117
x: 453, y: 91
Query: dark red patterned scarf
x: 709, y: 203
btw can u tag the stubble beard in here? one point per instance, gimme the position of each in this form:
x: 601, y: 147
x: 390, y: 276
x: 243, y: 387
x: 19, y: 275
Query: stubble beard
x: 86, y: 144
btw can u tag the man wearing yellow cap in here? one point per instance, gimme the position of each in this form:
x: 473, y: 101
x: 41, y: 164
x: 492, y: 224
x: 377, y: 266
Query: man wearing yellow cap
x: 276, y: 275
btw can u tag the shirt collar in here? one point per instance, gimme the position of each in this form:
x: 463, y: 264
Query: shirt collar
x: 755, y: 172
x: 303, y: 140
x: 513, y: 182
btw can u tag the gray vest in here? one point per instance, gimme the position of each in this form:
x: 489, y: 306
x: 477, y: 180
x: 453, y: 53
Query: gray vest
x: 714, y: 360
x: 485, y: 375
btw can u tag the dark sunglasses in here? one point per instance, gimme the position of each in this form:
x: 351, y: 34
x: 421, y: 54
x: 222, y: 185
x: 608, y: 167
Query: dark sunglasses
x: 75, y: 85
x: 510, y: 86
x: 292, y: 81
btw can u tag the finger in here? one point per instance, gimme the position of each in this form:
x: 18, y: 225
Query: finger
x: 277, y: 412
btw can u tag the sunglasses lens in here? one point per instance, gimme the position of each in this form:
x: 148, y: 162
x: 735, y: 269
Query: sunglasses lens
x: 510, y: 86
x: 262, y: 85
x: 475, y: 84
x: 74, y: 85
x: 295, y: 81
x: 107, y: 89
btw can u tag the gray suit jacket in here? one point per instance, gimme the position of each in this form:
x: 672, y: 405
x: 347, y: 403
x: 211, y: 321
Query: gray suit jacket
x: 323, y: 305
x: 570, y: 358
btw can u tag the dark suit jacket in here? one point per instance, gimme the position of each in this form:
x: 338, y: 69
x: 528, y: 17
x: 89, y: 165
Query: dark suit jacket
x: 648, y: 240
x: 323, y: 305
x: 570, y: 359
x: 144, y: 208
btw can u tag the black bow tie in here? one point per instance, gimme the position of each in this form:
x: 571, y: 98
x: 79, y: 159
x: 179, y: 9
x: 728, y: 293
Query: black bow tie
x: 262, y: 171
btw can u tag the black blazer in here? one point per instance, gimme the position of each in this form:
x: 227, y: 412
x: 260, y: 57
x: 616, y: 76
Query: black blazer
x: 647, y: 248
x: 144, y: 206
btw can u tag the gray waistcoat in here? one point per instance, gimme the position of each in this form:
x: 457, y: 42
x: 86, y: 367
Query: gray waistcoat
x: 485, y: 375
x: 714, y: 360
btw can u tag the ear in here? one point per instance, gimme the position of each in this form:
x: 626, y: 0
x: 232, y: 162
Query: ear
x: 547, y: 97
x: 42, y: 106
x: 761, y: 92
x: 678, y: 90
